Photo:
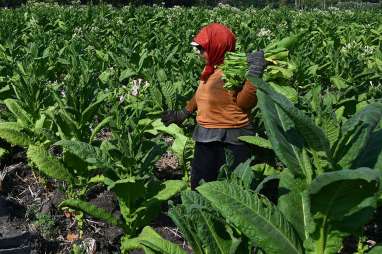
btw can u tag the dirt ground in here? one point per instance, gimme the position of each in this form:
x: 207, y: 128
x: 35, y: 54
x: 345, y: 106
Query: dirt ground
x: 31, y: 222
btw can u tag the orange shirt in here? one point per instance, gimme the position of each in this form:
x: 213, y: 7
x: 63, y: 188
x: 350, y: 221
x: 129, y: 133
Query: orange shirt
x: 220, y: 108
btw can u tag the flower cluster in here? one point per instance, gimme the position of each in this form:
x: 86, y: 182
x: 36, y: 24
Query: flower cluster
x: 137, y: 86
x: 367, y: 51
x: 332, y: 8
x: 349, y: 47
x: 265, y: 33
x: 77, y: 33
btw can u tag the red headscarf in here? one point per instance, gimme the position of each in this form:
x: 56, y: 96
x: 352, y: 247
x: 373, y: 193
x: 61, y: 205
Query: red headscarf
x: 215, y: 39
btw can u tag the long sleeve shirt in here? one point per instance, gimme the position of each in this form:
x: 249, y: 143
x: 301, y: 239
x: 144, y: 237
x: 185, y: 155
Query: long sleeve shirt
x: 220, y: 108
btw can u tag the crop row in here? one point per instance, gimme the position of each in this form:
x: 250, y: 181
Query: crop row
x: 82, y: 89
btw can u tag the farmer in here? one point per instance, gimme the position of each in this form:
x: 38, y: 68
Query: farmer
x: 222, y: 115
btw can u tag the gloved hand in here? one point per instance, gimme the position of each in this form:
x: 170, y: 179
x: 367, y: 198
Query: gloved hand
x: 173, y: 116
x: 256, y: 63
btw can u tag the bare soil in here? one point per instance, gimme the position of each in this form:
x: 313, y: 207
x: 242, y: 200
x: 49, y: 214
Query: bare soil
x: 31, y: 220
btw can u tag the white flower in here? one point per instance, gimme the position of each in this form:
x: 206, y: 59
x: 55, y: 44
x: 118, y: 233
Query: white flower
x: 331, y: 8
x: 368, y: 50
x: 136, y: 87
x: 94, y: 29
x: 120, y: 21
x: 135, y: 90
x: 77, y: 32
x: 264, y: 33
x: 62, y: 92
x: 349, y: 46
x: 121, y: 98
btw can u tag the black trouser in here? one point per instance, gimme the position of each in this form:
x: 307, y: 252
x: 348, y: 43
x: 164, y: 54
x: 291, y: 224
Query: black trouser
x: 209, y: 157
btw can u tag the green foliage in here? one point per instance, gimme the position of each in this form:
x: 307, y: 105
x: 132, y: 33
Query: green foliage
x: 151, y: 242
x: 375, y: 250
x: 46, y: 225
x: 3, y: 152
x: 14, y: 136
x: 318, y: 200
x: 96, y: 78
x: 139, y: 197
x: 86, y: 152
x: 356, y: 133
x: 203, y: 228
x: 234, y: 69
x: 47, y: 164
x: 23, y: 118
x: 278, y: 70
x: 254, y: 216
x: 339, y: 207
x: 92, y: 210
x: 77, y: 249
x: 320, y: 214
x: 180, y: 144
x: 256, y: 140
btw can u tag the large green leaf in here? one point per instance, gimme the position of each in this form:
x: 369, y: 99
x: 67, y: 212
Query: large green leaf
x: 290, y: 131
x: 254, y: 216
x: 168, y: 189
x: 179, y: 145
x: 12, y: 132
x: 23, y: 117
x: 371, y: 115
x: 337, y: 193
x: 331, y: 128
x: 376, y: 250
x: 294, y: 203
x: 106, y: 75
x: 313, y: 135
x: 341, y: 203
x: 150, y: 240
x: 202, y: 227
x: 67, y: 127
x: 244, y: 173
x: 356, y: 133
x: 371, y: 154
x: 285, y: 140
x: 92, y: 210
x: 140, y: 204
x: 288, y: 92
x: 256, y: 140
x: 127, y: 73
x: 129, y: 192
x: 88, y: 153
x: 47, y: 164
x: 39, y: 124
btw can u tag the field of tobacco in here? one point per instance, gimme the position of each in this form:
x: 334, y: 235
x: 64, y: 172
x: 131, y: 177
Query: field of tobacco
x: 88, y: 167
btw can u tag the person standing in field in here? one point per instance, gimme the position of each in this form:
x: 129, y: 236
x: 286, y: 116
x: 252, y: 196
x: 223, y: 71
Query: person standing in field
x: 222, y: 115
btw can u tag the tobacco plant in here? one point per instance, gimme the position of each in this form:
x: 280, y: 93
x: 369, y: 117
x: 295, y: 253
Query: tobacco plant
x: 328, y: 190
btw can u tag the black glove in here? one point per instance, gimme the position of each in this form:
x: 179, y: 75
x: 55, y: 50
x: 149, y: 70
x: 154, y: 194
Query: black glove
x: 257, y: 64
x: 172, y: 116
